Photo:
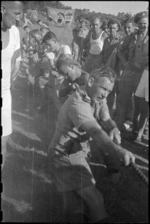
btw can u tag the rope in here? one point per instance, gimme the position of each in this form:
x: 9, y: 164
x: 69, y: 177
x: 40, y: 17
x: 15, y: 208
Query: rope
x: 140, y: 173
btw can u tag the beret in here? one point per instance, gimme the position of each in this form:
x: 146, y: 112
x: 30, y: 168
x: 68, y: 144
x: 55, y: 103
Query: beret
x: 140, y: 15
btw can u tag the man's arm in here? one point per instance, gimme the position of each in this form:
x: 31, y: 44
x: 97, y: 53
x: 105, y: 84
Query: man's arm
x: 105, y: 143
x: 15, y: 63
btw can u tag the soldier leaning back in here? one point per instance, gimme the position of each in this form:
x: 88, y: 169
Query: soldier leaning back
x: 70, y: 145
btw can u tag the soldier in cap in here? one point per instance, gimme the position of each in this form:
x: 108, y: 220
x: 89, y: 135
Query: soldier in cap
x: 109, y: 55
x: 129, y: 29
x: 69, y: 147
x: 134, y: 64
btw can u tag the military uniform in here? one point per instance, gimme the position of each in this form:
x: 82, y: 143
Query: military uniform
x: 110, y: 50
x: 138, y: 61
x: 69, y: 148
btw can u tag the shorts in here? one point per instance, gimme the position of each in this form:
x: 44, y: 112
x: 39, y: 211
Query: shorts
x: 70, y: 172
x: 6, y: 116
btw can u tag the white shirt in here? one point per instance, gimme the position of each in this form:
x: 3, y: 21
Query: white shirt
x: 96, y: 45
x: 7, y: 53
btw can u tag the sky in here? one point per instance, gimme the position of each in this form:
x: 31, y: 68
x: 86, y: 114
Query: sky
x: 109, y: 7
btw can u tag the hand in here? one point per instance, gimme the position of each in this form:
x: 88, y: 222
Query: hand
x: 75, y: 86
x: 114, y: 134
x: 126, y: 157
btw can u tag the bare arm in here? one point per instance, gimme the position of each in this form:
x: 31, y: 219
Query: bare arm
x: 105, y: 143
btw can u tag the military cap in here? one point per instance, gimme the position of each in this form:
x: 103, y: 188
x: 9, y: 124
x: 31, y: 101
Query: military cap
x: 140, y: 15
x: 114, y: 21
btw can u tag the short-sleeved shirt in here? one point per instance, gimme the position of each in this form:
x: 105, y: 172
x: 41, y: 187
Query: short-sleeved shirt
x: 76, y: 111
x: 70, y: 145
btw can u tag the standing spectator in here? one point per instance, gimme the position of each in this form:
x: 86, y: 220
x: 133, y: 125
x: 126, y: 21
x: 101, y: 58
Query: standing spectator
x: 79, y: 34
x: 10, y: 52
x: 141, y: 110
x: 137, y: 61
x: 129, y: 29
x: 109, y: 56
x: 94, y: 44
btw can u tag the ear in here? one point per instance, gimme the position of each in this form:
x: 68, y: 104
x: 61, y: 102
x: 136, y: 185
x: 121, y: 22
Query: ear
x: 90, y: 81
x: 3, y: 9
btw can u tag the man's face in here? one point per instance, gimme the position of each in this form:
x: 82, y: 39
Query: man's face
x: 96, y: 24
x: 143, y: 24
x: 113, y: 29
x: 10, y: 14
x: 52, y: 45
x: 71, y: 71
x: 99, y: 89
x: 129, y: 28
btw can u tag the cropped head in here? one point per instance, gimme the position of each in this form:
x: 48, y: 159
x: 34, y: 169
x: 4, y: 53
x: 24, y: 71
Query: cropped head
x: 100, y: 83
x: 10, y: 11
x: 68, y: 67
x: 129, y: 26
x: 50, y: 39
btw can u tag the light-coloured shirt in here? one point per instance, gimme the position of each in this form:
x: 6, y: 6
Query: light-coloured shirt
x: 76, y: 111
x: 96, y: 45
x: 143, y: 87
x: 7, y: 53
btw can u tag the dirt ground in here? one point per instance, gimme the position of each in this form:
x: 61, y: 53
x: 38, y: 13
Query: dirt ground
x: 29, y: 193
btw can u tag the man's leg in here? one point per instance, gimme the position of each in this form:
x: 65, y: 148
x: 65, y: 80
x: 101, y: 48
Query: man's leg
x: 125, y: 93
x: 144, y: 108
x: 74, y: 208
x: 94, y: 202
x: 136, y: 114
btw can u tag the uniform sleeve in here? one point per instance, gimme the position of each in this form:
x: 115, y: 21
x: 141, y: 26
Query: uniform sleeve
x: 80, y: 113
